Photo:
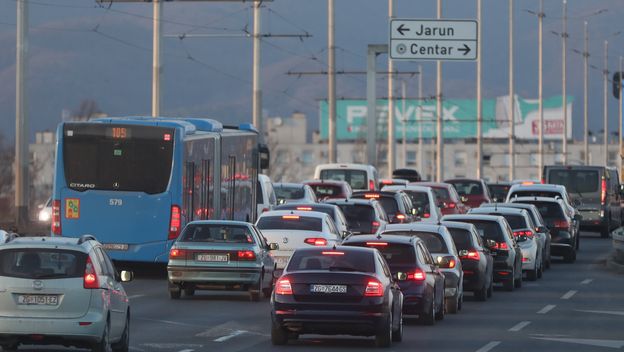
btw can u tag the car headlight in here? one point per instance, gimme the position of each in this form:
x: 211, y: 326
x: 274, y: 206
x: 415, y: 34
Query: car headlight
x: 44, y: 215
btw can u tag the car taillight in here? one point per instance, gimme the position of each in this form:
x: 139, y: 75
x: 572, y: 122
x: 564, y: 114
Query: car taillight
x: 56, y: 217
x: 377, y: 244
x: 315, y: 241
x: 603, y: 191
x: 400, y: 217
x: 451, y: 205
x: 472, y: 254
x: 371, y: 185
x: 246, y: 255
x: 175, y: 222
x: 282, y: 287
x: 501, y: 246
x: 176, y: 253
x: 304, y: 208
x: 90, y: 278
x: 417, y: 275
x: 373, y: 289
x: 527, y: 233
x: 426, y: 215
x: 562, y: 224
x: 374, y: 226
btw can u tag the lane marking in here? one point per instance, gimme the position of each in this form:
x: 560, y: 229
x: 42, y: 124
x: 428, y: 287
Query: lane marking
x: 588, y: 342
x: 546, y: 309
x: 135, y: 296
x: 186, y: 350
x: 132, y: 348
x: 521, y: 325
x: 227, y: 337
x: 586, y: 281
x: 569, y: 294
x: 166, y: 322
x: 489, y: 346
x: 601, y: 312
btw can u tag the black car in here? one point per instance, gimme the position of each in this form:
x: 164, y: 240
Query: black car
x: 498, y: 191
x: 423, y: 286
x: 397, y: 204
x: 506, y: 252
x: 340, y: 290
x: 476, y: 259
x: 407, y: 174
x: 364, y: 216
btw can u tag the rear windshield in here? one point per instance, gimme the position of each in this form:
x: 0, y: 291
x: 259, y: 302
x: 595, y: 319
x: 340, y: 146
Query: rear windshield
x: 217, y: 233
x: 441, y: 193
x: 395, y: 253
x: 462, y: 238
x: 327, y: 191
x: 359, y: 217
x: 337, y: 260
x: 294, y: 223
x: 434, y: 241
x: 356, y: 178
x: 498, y: 192
x: 320, y: 209
x: 548, y: 210
x: 42, y: 263
x: 489, y: 230
x: 117, y: 157
x: 468, y: 188
x: 389, y: 205
x: 515, y: 221
x: 576, y: 181
x: 420, y: 200
x: 284, y: 192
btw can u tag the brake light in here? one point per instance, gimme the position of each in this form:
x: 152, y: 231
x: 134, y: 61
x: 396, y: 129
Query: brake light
x: 90, y: 278
x: 377, y: 244
x: 175, y: 222
x: 290, y: 217
x: 56, y: 217
x: 603, y: 191
x: 304, y: 208
x: 246, y: 255
x: 283, y: 287
x: 176, y: 253
x: 451, y: 205
x: 472, y: 255
x: 332, y: 253
x: 527, y: 233
x: 374, y: 226
x: 315, y: 241
x: 501, y: 246
x: 417, y: 275
x: 528, y: 183
x: 400, y: 216
x: 371, y: 185
x: 562, y: 224
x: 373, y: 289
x: 426, y: 215
x: 525, y: 259
x: 386, y: 182
x: 371, y: 195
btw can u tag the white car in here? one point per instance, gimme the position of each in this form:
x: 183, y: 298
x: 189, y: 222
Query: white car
x: 361, y: 177
x: 292, y: 229
x: 440, y: 244
x: 265, y: 195
x: 524, y: 231
x: 423, y: 199
x: 545, y: 190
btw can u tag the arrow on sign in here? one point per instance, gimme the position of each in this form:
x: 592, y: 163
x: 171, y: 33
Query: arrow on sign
x: 465, y: 49
x: 402, y: 29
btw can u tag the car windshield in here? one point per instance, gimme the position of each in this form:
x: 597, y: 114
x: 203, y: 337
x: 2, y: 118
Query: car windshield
x: 420, y: 200
x: 34, y: 263
x: 468, y: 188
x: 394, y: 253
x: 490, y: 230
x: 355, y: 178
x: 289, y: 192
x: 442, y: 194
x: 327, y: 191
x: 498, y: 192
x: 576, y: 181
x: 550, y: 211
x: 217, y: 233
x: 290, y: 222
x: 434, y: 241
x: 516, y: 221
x: 389, y: 204
x: 332, y: 260
x: 461, y: 237
x: 359, y: 217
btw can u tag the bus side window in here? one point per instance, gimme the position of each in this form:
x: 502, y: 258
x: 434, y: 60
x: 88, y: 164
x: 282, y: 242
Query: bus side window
x: 205, y: 205
x: 189, y: 186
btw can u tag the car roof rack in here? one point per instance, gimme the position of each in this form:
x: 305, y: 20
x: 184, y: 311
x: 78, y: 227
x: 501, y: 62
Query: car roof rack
x: 85, y: 238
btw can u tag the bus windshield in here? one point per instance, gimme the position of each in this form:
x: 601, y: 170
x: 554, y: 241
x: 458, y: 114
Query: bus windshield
x: 117, y: 157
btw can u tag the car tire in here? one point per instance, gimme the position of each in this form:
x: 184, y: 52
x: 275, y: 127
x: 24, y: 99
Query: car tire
x: 604, y: 232
x: 175, y: 293
x: 397, y: 335
x: 481, y: 294
x: 518, y: 281
x: 570, y: 257
x: 509, y: 284
x: 189, y: 291
x: 428, y: 317
x: 490, y: 289
x: 124, y: 343
x: 540, y: 271
x: 441, y: 312
x: 532, y: 274
x: 279, y: 335
x: 383, y: 338
x: 452, y: 305
x: 104, y: 344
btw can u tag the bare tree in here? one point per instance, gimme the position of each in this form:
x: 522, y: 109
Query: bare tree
x: 87, y: 110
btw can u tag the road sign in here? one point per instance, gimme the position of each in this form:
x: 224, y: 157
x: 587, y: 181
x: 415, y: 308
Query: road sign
x: 414, y: 39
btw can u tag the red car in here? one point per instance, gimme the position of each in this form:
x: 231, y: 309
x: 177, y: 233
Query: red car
x: 450, y: 201
x: 330, y: 189
x: 474, y: 190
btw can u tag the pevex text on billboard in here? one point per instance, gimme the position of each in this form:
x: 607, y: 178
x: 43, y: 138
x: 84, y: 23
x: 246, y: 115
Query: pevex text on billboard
x: 459, y: 117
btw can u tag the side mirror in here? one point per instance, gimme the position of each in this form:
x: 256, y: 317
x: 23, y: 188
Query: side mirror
x: 401, y: 276
x: 126, y: 276
x: 346, y: 234
x: 463, y: 253
x: 490, y: 243
x: 281, y: 201
x: 273, y: 246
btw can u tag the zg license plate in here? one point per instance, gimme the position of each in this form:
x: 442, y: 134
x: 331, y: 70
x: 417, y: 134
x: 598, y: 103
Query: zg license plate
x: 328, y: 288
x: 212, y: 258
x: 43, y: 300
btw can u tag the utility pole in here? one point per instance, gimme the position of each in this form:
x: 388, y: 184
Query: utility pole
x: 605, y: 103
x: 331, y: 81
x: 439, y: 113
x: 479, y: 98
x: 540, y: 90
x: 21, y: 116
x: 620, y: 121
x: 157, y: 6
x: 371, y: 123
x: 404, y: 145
x: 420, y: 137
x: 256, y: 89
x: 512, y: 130
x: 585, y: 94
x: 564, y: 61
x: 391, y: 137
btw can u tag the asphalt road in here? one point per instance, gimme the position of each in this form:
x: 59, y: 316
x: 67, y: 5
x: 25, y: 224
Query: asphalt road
x: 574, y: 307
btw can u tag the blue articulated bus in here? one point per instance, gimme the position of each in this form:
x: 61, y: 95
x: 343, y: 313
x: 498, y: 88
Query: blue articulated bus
x: 134, y: 182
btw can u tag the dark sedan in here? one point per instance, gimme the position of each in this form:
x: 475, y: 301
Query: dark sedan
x: 340, y: 290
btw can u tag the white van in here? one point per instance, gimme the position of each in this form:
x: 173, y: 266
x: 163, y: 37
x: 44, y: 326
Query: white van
x: 361, y: 177
x: 265, y: 195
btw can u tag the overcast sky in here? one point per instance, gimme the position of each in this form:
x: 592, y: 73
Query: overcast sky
x: 80, y: 50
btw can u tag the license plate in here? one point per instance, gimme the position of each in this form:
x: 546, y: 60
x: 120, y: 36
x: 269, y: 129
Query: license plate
x: 43, y: 300
x: 281, y: 261
x: 212, y: 258
x: 115, y: 246
x: 328, y: 288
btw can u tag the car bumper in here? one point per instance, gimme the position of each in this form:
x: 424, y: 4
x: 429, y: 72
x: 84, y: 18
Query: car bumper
x: 330, y: 322
x: 215, y: 275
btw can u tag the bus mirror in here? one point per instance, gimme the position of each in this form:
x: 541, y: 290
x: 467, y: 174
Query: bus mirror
x: 263, y: 155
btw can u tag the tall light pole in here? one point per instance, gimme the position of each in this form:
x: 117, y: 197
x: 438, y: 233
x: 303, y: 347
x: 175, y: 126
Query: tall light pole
x: 404, y: 145
x: 564, y: 61
x: 420, y: 137
x: 331, y: 81
x: 157, y: 7
x: 620, y: 121
x: 256, y: 89
x: 512, y: 129
x: 605, y: 73
x: 479, y: 97
x: 439, y: 114
x: 540, y: 90
x: 21, y: 116
x: 586, y: 93
x: 391, y: 137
